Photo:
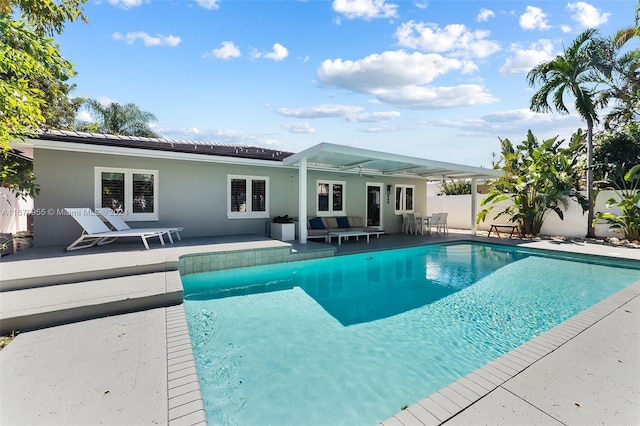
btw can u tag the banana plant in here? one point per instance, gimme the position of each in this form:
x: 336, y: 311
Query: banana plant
x: 539, y: 177
x: 627, y: 200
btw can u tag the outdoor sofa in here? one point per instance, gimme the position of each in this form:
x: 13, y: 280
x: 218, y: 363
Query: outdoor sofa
x: 319, y: 227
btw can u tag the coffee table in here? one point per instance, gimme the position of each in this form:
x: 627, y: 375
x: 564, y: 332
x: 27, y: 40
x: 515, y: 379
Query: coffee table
x: 347, y: 234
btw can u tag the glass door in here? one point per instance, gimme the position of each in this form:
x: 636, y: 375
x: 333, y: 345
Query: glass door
x: 374, y: 205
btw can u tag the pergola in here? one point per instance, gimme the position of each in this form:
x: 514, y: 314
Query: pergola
x: 346, y: 159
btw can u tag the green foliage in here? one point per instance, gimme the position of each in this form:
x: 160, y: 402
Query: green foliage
x: 628, y: 191
x: 456, y: 187
x: 32, y: 75
x: 26, y: 58
x: 618, y: 75
x: 576, y: 72
x: 617, y: 147
x: 539, y: 177
x: 283, y: 219
x: 46, y: 17
x: 117, y: 119
x: 17, y: 174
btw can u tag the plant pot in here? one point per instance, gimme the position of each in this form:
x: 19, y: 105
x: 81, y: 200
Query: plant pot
x: 283, y: 231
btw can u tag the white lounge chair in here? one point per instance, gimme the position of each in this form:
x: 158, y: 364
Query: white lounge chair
x: 118, y: 224
x: 96, y: 232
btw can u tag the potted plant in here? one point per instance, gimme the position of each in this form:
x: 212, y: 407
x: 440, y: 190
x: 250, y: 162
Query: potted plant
x: 283, y: 228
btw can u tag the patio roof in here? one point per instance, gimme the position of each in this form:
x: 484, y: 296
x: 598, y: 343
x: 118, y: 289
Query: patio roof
x: 332, y: 157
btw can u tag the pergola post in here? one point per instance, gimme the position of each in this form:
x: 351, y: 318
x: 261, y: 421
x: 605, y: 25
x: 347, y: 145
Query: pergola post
x: 474, y: 204
x: 302, y: 201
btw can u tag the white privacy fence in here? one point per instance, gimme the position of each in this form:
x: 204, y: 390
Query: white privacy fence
x: 573, y: 225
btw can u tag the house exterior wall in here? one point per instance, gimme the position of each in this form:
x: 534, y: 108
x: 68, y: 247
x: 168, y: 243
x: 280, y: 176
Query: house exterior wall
x: 191, y: 193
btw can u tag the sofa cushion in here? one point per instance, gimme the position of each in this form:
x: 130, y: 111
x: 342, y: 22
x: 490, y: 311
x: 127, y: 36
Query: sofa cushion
x: 356, y: 222
x: 330, y: 222
x: 343, y: 222
x: 316, y: 223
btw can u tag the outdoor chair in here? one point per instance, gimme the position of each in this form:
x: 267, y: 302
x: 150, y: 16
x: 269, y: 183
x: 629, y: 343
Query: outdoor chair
x: 96, y: 232
x: 440, y: 222
x: 119, y: 224
x: 412, y: 223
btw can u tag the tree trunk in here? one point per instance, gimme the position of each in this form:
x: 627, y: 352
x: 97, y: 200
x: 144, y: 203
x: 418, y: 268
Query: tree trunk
x: 590, y: 228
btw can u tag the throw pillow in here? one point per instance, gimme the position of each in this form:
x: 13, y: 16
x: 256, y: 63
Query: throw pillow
x: 343, y: 222
x: 316, y: 223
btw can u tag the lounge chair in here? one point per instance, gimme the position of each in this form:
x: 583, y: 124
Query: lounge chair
x: 118, y: 224
x: 96, y: 232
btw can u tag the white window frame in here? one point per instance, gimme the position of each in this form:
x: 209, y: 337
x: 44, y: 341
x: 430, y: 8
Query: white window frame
x: 129, y: 215
x: 248, y: 214
x: 403, y: 199
x: 331, y: 212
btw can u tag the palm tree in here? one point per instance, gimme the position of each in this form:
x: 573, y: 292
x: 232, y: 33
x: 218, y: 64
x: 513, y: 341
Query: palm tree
x: 620, y: 70
x: 116, y: 119
x: 573, y: 73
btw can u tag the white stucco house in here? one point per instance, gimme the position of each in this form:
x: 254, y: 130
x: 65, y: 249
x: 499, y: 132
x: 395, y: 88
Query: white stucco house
x: 220, y: 189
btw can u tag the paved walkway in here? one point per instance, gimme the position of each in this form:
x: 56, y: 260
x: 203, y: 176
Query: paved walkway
x: 138, y: 368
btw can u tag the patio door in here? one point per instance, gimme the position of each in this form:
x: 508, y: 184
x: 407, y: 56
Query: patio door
x: 374, y: 205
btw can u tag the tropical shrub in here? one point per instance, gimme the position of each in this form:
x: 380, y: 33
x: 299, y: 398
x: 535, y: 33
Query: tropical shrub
x: 456, y: 187
x: 539, y: 177
x: 628, y: 191
x: 619, y: 146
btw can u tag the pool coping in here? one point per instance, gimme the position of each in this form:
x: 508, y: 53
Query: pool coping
x: 448, y: 402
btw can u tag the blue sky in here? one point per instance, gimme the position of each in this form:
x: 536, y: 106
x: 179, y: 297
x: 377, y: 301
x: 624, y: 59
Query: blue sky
x: 435, y: 79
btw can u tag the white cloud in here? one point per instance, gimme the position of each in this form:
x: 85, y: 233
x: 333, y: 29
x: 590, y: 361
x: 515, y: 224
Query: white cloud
x: 399, y: 78
x: 125, y: 4
x: 227, y: 51
x: 373, y: 117
x: 365, y: 9
x: 424, y: 97
x: 421, y: 4
x: 566, y: 28
x: 534, y: 19
x: 514, y: 124
x: 278, y: 53
x: 321, y: 111
x: 524, y: 59
x: 485, y: 14
x: 148, y: 40
x: 456, y: 39
x: 385, y: 70
x: 587, y: 15
x: 227, y: 136
x: 299, y: 128
x: 209, y: 4
x: 84, y: 116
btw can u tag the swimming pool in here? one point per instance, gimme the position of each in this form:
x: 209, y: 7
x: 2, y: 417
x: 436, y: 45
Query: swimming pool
x: 352, y: 339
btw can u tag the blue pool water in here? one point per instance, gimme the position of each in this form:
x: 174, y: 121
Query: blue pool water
x: 350, y: 340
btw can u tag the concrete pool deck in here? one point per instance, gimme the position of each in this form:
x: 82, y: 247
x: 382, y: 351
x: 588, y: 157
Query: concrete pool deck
x: 136, y: 366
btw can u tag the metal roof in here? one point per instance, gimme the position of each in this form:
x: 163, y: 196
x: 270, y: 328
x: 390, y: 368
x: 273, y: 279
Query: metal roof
x: 162, y: 144
x: 332, y: 157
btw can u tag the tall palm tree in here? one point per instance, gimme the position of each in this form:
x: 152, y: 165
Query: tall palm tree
x: 117, y: 119
x: 573, y: 73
